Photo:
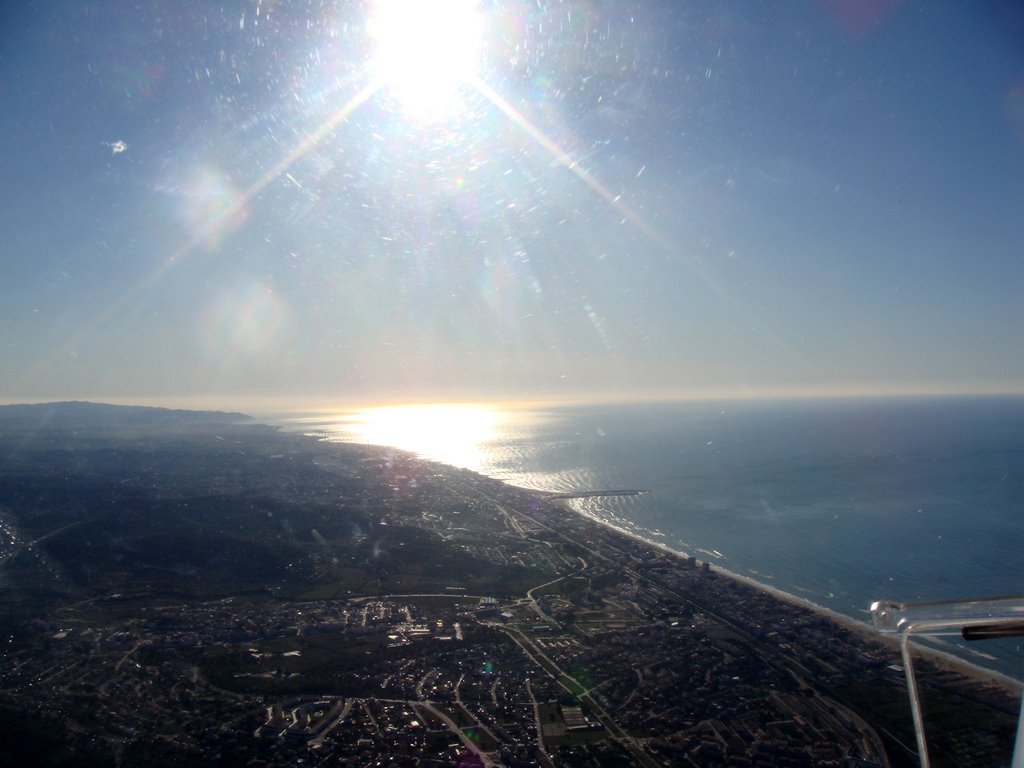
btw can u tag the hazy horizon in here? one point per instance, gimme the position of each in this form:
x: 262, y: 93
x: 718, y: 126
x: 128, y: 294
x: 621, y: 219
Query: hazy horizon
x: 566, y: 202
x: 270, y: 407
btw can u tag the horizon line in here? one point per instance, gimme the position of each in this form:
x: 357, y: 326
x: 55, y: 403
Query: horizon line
x: 282, y: 404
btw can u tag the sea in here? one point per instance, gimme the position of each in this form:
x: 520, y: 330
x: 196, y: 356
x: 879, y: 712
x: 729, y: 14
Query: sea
x: 840, y: 502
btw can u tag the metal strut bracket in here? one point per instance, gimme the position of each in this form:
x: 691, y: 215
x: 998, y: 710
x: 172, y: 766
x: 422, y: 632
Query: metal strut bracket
x: 971, y: 619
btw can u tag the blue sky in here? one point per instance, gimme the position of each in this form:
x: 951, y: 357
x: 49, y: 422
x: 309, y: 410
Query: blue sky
x: 627, y: 200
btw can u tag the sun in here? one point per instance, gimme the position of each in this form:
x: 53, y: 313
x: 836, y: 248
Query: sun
x: 426, y: 52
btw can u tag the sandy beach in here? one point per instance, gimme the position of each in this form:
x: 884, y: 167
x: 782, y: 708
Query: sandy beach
x: 938, y: 657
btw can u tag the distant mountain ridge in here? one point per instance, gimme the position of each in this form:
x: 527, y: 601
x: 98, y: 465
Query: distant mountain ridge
x: 84, y: 414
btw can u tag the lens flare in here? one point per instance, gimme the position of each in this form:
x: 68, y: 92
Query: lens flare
x: 210, y: 206
x: 246, y: 323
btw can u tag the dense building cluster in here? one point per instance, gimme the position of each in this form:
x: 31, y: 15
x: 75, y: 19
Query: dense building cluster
x: 394, y: 612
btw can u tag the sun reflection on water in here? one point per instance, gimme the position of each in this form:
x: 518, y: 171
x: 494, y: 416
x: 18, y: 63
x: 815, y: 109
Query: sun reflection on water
x: 452, y: 434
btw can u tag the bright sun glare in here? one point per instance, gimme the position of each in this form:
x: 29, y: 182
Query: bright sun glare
x: 453, y: 434
x: 426, y: 52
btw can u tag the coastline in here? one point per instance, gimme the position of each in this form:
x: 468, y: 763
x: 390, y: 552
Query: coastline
x: 938, y: 657
x: 350, y: 579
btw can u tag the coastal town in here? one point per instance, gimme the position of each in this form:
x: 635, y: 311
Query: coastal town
x: 458, y: 621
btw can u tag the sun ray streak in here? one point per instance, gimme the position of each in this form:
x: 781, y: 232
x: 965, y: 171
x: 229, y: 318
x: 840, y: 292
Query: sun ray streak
x: 698, y: 265
x: 239, y: 205
x: 38, y: 371
x: 570, y: 163
x: 286, y: 162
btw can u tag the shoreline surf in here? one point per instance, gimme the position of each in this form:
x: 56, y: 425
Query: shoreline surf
x: 940, y: 657
x: 637, y: 533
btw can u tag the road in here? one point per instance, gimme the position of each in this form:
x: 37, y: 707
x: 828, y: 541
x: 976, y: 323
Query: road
x: 454, y: 728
